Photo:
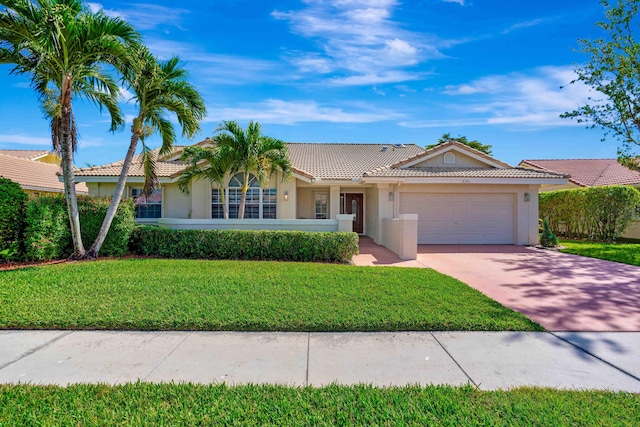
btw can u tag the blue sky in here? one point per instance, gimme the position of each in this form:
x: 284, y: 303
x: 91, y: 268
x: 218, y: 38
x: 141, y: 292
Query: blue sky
x: 380, y: 71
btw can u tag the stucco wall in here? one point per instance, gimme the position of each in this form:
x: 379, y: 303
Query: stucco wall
x: 461, y: 161
x: 633, y: 232
x: 175, y: 204
x: 103, y: 189
x: 372, y: 224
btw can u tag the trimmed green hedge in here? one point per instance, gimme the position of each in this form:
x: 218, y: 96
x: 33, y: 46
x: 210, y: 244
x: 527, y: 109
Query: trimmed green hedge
x: 12, y: 208
x: 245, y: 244
x: 47, y: 234
x: 596, y: 213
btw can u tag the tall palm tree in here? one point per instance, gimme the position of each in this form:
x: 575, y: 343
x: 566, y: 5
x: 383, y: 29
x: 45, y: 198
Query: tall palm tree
x: 63, y: 47
x: 253, y: 152
x: 159, y: 88
x: 215, y: 164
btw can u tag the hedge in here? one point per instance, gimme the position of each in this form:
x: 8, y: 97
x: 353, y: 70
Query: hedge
x: 245, y: 244
x: 12, y: 208
x: 47, y: 234
x: 596, y: 213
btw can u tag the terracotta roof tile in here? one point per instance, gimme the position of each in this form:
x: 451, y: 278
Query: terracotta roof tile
x: 34, y: 175
x: 450, y: 172
x: 164, y: 168
x: 25, y: 154
x: 346, y: 161
x: 589, y: 172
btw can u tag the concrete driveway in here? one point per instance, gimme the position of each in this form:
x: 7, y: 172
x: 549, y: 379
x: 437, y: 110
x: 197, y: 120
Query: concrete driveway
x: 562, y: 292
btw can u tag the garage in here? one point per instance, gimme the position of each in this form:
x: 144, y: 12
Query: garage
x: 462, y: 218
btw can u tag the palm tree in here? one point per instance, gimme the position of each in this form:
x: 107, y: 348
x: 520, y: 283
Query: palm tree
x: 62, y: 46
x: 253, y: 152
x: 214, y: 164
x: 158, y: 88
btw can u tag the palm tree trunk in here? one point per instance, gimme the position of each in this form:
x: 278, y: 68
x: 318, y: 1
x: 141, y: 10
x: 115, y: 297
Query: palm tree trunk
x: 223, y: 199
x: 243, y: 197
x: 66, y: 145
x: 115, y: 200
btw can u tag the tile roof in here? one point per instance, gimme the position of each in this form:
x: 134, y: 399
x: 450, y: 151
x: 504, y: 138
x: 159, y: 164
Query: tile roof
x: 25, y: 154
x: 32, y: 175
x: 452, y: 172
x: 589, y: 172
x: 346, y: 161
x: 164, y: 168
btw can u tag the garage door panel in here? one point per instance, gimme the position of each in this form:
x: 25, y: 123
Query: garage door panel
x: 474, y: 218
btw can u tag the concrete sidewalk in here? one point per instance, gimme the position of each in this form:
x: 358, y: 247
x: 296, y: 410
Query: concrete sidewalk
x: 488, y: 360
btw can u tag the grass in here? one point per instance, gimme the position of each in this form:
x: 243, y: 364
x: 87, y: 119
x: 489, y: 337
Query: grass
x: 189, y: 404
x: 626, y: 253
x: 157, y: 294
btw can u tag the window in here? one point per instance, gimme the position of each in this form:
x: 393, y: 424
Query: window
x: 321, y: 205
x: 147, y: 207
x: 449, y: 158
x: 259, y: 203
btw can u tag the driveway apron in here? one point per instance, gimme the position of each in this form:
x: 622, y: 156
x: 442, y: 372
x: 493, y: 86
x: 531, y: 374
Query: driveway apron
x: 562, y: 292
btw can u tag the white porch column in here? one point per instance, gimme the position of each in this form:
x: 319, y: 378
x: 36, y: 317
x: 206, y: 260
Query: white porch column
x: 334, y: 201
x: 385, y: 210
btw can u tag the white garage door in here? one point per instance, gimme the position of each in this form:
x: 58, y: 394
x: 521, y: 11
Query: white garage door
x: 461, y: 218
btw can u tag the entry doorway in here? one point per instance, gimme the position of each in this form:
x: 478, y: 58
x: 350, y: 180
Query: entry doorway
x: 353, y: 203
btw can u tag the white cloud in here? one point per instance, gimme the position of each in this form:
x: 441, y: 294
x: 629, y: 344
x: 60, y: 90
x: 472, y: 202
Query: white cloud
x: 144, y: 16
x: 372, y: 79
x: 533, y: 100
x: 24, y: 140
x: 355, y: 37
x: 460, y: 2
x: 277, y: 111
x: 525, y: 24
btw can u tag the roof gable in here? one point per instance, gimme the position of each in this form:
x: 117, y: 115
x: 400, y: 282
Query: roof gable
x: 435, y: 157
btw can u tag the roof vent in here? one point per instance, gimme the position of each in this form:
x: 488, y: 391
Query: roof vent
x: 399, y: 145
x: 384, y: 148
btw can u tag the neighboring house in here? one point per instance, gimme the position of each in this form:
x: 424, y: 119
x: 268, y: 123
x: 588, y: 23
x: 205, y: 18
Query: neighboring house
x: 460, y: 195
x: 585, y: 172
x: 35, y: 171
x: 589, y: 173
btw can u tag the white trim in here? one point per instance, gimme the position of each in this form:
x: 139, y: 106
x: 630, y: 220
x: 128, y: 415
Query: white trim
x: 432, y: 180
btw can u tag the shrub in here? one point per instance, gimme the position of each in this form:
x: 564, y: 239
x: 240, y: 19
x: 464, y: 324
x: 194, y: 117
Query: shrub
x: 596, y: 213
x: 47, y: 235
x: 245, y: 244
x: 547, y: 238
x: 12, y: 208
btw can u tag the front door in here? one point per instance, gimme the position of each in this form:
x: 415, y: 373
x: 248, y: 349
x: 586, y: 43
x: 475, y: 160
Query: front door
x: 353, y: 205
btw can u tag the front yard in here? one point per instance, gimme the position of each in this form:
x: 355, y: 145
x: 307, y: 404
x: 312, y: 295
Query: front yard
x: 161, y: 294
x: 626, y: 253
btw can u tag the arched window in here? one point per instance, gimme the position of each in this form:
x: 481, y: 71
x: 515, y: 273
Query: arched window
x: 260, y: 203
x: 449, y: 158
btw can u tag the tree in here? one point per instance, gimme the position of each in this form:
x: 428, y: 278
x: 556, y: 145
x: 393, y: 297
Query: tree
x: 446, y: 137
x: 252, y: 152
x: 612, y: 70
x: 213, y: 163
x: 158, y: 88
x: 63, y: 47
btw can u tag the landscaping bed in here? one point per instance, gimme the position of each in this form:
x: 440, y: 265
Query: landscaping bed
x: 160, y: 294
x: 189, y: 404
x: 626, y: 253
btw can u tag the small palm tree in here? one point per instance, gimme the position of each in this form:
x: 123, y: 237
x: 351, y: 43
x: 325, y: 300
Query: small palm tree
x: 158, y: 88
x: 214, y: 164
x: 253, y: 152
x: 62, y: 46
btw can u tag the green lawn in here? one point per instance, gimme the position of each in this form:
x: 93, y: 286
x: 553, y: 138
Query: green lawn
x: 160, y: 294
x: 145, y: 404
x: 627, y: 253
